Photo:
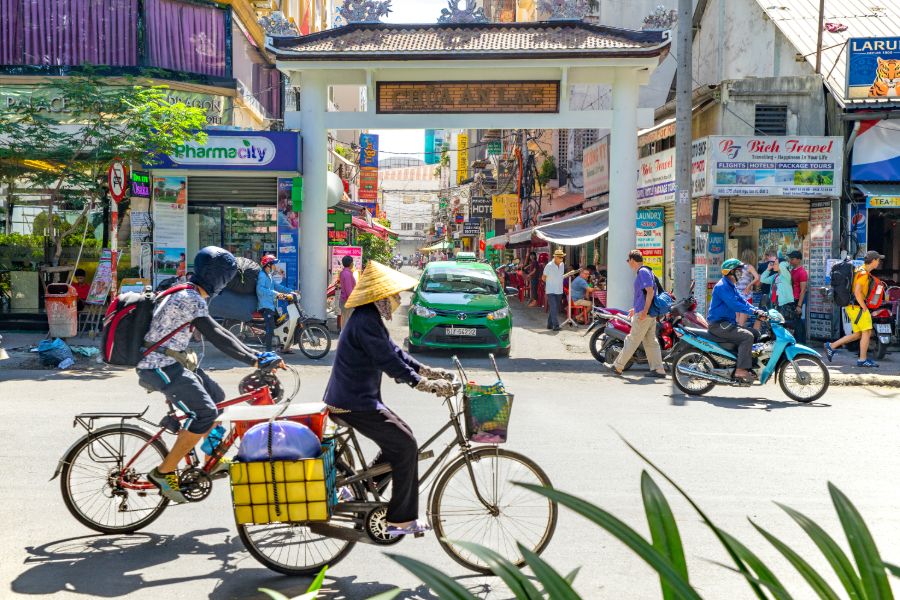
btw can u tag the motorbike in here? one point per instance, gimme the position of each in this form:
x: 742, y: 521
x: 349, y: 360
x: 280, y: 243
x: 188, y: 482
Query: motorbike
x: 292, y: 326
x: 703, y: 362
x: 883, y: 321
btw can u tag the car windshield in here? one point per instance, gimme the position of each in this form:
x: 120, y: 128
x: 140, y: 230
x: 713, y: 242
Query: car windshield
x: 460, y: 281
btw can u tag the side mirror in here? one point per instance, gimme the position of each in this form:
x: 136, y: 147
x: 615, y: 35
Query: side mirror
x: 512, y: 291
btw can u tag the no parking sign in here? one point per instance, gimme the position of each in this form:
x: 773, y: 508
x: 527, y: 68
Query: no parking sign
x: 117, y: 177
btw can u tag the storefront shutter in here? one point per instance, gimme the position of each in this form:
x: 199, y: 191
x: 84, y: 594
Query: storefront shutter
x: 770, y: 208
x: 233, y: 190
x: 670, y: 211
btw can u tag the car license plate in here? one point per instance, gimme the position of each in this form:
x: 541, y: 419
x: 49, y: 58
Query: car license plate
x: 461, y: 331
x: 883, y: 328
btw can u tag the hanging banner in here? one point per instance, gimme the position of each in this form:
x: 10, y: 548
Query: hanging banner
x: 595, y: 163
x: 104, y: 283
x: 650, y: 238
x: 169, y: 227
x: 368, y: 150
x: 462, y: 157
x: 873, y: 67
x: 288, y: 234
x: 821, y: 238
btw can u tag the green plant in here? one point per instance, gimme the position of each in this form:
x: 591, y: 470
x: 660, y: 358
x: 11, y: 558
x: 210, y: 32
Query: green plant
x: 444, y: 161
x: 865, y: 580
x: 345, y: 153
x: 312, y: 592
x: 376, y: 248
x: 548, y: 170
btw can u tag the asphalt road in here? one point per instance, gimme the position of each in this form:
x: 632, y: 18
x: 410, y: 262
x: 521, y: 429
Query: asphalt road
x: 734, y: 451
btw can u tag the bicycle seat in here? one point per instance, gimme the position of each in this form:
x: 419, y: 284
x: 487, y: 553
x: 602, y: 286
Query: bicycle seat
x: 262, y: 412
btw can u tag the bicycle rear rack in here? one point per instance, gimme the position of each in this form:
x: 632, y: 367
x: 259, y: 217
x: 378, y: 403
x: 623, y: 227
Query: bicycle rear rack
x: 86, y: 420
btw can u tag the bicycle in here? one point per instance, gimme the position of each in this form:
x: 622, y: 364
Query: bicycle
x: 472, y: 495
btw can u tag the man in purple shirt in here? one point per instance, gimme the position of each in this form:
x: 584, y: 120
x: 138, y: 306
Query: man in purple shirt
x: 347, y: 282
x: 643, y: 326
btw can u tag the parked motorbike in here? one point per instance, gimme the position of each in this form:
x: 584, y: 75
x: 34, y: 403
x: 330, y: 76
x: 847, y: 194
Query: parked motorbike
x: 293, y: 326
x: 703, y: 361
x: 883, y: 321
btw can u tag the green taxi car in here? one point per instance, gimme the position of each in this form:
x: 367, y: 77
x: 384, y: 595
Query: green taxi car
x: 460, y: 304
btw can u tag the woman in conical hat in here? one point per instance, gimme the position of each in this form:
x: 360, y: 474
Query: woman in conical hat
x: 365, y: 351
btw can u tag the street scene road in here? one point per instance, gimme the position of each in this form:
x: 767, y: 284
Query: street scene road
x: 735, y: 451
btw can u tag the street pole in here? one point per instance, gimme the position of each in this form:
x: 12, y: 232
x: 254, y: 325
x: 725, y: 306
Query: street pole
x: 683, y: 110
x: 819, y: 37
x: 523, y: 201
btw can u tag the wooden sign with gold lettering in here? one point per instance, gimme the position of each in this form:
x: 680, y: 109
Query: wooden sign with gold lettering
x: 410, y: 97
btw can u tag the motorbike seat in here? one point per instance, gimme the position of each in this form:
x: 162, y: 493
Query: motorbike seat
x: 706, y: 335
x: 257, y: 315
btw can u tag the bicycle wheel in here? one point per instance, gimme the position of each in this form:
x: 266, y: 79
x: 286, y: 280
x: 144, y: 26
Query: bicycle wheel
x: 516, y: 514
x: 90, y: 479
x: 247, y: 334
x: 314, y: 341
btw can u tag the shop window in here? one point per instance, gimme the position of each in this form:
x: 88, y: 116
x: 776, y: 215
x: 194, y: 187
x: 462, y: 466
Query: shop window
x: 771, y: 119
x: 406, y: 226
x: 420, y: 226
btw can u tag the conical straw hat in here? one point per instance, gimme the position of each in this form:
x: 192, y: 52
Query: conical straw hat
x: 378, y: 282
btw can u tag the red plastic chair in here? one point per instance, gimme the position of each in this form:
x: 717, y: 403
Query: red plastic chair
x: 580, y: 313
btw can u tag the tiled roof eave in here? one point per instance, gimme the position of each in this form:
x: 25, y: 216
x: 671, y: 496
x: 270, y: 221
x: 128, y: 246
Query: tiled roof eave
x: 456, y: 55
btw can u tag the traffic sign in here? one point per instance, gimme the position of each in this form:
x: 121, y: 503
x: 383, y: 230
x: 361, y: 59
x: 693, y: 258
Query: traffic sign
x: 117, y: 177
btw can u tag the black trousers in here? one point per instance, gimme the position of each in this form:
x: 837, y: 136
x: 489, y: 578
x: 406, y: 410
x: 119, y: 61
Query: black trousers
x: 399, y: 449
x: 741, y: 336
x: 269, y: 315
x: 554, y: 302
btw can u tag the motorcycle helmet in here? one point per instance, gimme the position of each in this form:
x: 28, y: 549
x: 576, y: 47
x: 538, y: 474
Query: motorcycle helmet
x: 214, y: 267
x: 267, y: 260
x: 730, y: 265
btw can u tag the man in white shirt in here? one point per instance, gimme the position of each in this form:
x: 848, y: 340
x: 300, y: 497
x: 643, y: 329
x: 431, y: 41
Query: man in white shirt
x: 553, y: 287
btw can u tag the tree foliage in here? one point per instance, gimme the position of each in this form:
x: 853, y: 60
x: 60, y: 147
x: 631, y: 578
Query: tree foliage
x: 66, y: 160
x: 376, y: 248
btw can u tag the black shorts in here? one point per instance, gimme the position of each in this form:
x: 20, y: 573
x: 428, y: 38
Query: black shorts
x: 194, y: 393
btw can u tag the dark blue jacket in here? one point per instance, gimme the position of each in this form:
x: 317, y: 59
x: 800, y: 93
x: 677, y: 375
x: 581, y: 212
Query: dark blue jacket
x: 365, y: 351
x: 726, y: 302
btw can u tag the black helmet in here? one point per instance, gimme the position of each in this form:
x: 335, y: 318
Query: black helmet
x: 214, y: 267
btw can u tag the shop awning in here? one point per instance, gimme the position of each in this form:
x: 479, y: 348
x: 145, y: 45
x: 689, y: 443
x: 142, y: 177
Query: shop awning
x: 445, y: 245
x: 375, y: 228
x: 575, y: 231
x: 497, y: 241
x: 880, y: 195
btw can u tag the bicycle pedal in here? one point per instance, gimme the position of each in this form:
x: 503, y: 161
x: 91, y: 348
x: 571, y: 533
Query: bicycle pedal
x: 421, y: 534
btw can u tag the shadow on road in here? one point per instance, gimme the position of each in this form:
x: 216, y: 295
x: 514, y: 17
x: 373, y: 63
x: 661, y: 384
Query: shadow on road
x: 110, y: 566
x: 749, y: 403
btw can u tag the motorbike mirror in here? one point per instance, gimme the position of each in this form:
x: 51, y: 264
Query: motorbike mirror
x: 512, y: 291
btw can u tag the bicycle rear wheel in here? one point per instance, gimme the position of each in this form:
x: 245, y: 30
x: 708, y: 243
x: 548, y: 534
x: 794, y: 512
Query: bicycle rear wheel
x: 92, y: 474
x: 515, y: 515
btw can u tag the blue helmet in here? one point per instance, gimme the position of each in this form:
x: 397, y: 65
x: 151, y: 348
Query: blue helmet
x: 214, y: 267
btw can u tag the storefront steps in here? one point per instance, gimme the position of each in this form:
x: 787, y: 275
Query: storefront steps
x: 36, y: 322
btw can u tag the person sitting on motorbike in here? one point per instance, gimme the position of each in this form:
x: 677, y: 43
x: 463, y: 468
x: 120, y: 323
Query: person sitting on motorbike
x: 172, y: 368
x: 267, y: 291
x: 725, y: 304
x: 353, y: 394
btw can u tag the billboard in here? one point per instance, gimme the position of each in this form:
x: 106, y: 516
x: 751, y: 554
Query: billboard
x: 873, y: 68
x: 595, y: 163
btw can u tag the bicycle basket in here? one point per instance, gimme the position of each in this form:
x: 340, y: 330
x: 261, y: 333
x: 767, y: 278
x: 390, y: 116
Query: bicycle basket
x: 487, y: 410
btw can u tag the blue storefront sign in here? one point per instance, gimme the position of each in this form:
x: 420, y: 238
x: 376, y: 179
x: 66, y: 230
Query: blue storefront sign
x: 288, y: 234
x: 368, y: 150
x: 244, y: 150
x: 872, y: 67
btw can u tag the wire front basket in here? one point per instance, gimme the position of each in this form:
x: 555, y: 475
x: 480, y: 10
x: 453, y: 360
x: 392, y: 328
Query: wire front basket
x: 486, y: 409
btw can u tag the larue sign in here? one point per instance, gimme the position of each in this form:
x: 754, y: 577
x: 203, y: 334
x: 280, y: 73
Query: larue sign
x: 410, y: 97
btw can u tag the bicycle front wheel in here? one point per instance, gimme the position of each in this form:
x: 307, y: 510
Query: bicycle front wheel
x: 513, y: 514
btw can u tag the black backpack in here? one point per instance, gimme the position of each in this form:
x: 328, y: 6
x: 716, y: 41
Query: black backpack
x: 244, y: 281
x: 842, y: 283
x: 127, y: 322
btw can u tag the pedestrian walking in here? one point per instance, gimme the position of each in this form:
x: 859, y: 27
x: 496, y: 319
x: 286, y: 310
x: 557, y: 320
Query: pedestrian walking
x: 553, y: 287
x: 858, y: 313
x: 643, y: 326
x: 346, y: 282
x: 799, y: 283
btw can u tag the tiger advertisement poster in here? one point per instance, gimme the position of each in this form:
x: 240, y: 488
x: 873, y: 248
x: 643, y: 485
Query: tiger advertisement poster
x: 873, y: 68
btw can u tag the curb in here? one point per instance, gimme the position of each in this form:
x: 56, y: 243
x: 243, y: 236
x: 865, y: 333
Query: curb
x: 892, y: 381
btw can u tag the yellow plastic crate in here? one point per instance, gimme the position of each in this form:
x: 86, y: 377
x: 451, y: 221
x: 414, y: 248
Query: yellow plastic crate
x: 304, y: 490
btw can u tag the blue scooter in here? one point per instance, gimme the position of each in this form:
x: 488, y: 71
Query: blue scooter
x: 703, y: 361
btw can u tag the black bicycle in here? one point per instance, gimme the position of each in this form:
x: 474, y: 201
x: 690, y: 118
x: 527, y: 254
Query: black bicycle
x: 472, y: 498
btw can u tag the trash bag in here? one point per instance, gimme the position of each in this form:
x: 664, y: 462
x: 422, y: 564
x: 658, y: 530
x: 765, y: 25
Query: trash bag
x: 290, y: 441
x: 233, y: 306
x: 244, y: 282
x: 53, y: 352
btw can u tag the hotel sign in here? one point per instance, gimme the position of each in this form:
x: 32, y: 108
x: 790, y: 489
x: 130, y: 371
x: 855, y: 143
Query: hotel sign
x: 411, y: 97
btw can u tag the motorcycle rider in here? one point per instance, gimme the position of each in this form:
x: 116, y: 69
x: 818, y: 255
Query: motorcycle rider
x: 725, y: 304
x: 267, y: 291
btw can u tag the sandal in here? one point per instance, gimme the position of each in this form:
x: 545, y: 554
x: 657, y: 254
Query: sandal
x: 416, y: 528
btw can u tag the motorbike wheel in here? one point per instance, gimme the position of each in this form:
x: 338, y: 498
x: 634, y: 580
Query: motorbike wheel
x: 877, y: 348
x: 612, y: 353
x: 246, y: 334
x: 314, y: 341
x: 812, y: 382
x: 595, y: 345
x: 692, y: 386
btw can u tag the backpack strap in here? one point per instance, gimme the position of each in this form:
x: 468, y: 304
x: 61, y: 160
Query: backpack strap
x: 171, y: 334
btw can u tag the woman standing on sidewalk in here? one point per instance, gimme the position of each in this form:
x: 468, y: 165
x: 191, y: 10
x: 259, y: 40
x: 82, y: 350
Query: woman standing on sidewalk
x: 533, y: 277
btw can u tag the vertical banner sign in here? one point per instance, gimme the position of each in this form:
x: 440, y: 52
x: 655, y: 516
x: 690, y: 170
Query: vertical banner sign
x: 462, y: 157
x: 169, y: 227
x: 141, y: 233
x: 700, y: 274
x: 368, y: 150
x: 858, y: 223
x: 595, y: 163
x: 339, y: 252
x: 104, y: 282
x: 715, y: 249
x: 288, y: 234
x: 651, y: 239
x: 821, y: 237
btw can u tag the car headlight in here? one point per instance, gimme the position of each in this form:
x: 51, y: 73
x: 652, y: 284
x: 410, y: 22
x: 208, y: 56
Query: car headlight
x: 499, y: 314
x: 422, y: 311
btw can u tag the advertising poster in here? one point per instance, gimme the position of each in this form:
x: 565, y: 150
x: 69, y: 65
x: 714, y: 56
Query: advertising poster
x: 500, y: 204
x: 596, y: 168
x: 103, y: 284
x: 873, y: 67
x: 775, y: 166
x: 656, y: 178
x: 858, y: 226
x: 368, y: 150
x: 169, y: 227
x: 288, y: 234
x: 715, y: 248
x: 700, y: 274
x: 651, y: 238
x: 339, y: 252
x: 783, y: 240
x: 462, y: 157
x: 821, y: 237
